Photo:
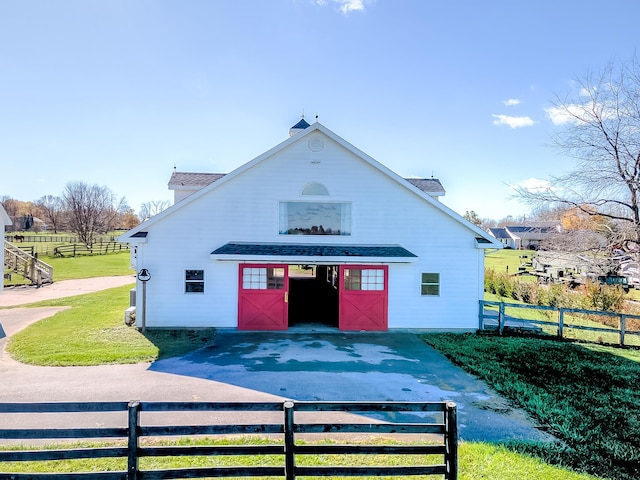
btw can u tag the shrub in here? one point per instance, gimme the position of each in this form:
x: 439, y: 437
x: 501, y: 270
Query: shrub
x: 490, y: 280
x: 603, y: 297
x: 526, y: 292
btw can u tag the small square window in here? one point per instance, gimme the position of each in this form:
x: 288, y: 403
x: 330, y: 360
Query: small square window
x: 262, y: 278
x: 364, y: 279
x: 194, y: 281
x: 430, y: 284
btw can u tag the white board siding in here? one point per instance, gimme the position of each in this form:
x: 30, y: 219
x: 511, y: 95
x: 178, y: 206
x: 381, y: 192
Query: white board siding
x: 245, y: 208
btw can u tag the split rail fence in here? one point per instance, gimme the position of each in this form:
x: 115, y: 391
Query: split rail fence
x: 431, y: 451
x: 98, y: 248
x: 489, y: 316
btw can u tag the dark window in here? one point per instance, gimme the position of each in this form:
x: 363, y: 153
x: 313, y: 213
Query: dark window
x: 194, y: 281
x: 430, y: 284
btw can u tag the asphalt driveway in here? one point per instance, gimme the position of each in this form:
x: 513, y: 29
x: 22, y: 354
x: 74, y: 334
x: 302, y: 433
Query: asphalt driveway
x: 306, y: 364
x: 389, y: 366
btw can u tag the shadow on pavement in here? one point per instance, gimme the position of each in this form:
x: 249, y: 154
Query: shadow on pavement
x: 354, y: 366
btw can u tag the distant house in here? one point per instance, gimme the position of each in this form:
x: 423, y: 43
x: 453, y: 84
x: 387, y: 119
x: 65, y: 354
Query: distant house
x: 5, y: 221
x: 524, y: 236
x: 312, y: 232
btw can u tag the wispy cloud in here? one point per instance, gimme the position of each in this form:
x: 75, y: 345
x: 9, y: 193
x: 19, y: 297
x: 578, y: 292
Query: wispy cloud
x: 513, y: 122
x: 345, y: 6
x: 560, y: 116
x: 512, y: 102
x: 533, y: 185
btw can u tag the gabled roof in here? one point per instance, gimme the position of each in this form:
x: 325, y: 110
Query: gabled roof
x: 192, y: 180
x: 499, y: 233
x: 316, y: 127
x: 529, y: 229
x: 428, y: 185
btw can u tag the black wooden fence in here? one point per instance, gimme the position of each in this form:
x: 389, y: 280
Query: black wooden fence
x: 499, y: 320
x: 436, y: 431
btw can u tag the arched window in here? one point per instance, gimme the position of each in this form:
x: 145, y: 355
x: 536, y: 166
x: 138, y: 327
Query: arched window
x: 315, y: 188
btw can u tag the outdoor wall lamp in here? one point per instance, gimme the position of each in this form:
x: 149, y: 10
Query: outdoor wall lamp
x: 144, y: 276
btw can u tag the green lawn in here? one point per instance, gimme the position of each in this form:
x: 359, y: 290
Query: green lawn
x: 588, y: 395
x: 501, y: 259
x: 90, y: 266
x: 477, y: 461
x: 69, y: 268
x: 92, y: 332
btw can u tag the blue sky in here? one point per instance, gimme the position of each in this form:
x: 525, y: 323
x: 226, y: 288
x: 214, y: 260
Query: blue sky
x: 117, y: 92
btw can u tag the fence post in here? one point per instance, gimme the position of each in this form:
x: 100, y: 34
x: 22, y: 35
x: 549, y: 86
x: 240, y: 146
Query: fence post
x: 289, y: 442
x: 560, y: 322
x: 501, y: 318
x: 451, y: 426
x: 133, y: 441
x: 623, y: 328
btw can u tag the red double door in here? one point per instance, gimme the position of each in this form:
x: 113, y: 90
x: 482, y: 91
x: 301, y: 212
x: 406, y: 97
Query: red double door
x: 263, y: 297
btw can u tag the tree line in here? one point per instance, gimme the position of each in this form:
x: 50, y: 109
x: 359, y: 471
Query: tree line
x: 84, y: 209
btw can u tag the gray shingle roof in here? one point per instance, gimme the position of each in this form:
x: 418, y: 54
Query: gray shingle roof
x: 499, y: 233
x: 192, y: 179
x: 528, y: 229
x: 312, y: 250
x: 427, y: 185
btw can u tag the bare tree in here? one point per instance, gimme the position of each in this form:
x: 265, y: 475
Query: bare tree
x: 154, y: 207
x: 92, y: 209
x: 11, y: 207
x: 473, y: 217
x: 600, y: 129
x: 52, y: 208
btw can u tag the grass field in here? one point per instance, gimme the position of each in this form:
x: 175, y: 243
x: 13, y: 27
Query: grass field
x: 588, y: 395
x: 506, y: 259
x: 66, y: 268
x: 92, y: 332
x: 477, y: 461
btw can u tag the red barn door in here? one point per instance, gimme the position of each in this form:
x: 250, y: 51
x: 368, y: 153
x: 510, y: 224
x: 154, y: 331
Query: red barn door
x: 363, y: 297
x: 262, y: 297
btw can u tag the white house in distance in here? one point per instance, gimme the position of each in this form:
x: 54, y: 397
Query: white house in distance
x: 4, y: 221
x: 524, y: 236
x: 311, y: 232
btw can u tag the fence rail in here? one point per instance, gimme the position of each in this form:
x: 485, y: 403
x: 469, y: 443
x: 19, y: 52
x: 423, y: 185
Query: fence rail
x: 25, y: 237
x: 99, y: 248
x: 437, y: 420
x: 27, y: 265
x: 507, y: 321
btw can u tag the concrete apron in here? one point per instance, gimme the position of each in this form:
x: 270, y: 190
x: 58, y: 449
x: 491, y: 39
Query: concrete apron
x: 355, y: 366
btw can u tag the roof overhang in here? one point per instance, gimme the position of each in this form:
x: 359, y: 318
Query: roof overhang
x: 136, y: 238
x: 487, y: 244
x: 300, y: 253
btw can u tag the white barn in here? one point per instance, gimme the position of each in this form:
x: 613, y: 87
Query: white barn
x: 313, y: 231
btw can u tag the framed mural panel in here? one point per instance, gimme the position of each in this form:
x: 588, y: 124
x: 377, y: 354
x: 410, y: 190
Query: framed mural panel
x: 315, y: 218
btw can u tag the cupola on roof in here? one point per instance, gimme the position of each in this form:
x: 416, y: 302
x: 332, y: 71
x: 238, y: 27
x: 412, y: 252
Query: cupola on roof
x: 298, y: 127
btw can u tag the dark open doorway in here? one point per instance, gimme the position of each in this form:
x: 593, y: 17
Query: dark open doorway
x: 313, y: 295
